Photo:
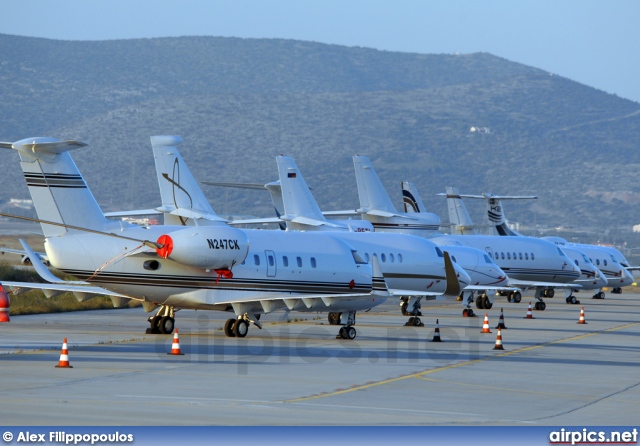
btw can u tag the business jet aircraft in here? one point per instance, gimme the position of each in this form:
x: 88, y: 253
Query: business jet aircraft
x: 609, y: 269
x: 591, y: 277
x: 529, y: 262
x: 295, y: 204
x: 409, y: 264
x: 214, y: 267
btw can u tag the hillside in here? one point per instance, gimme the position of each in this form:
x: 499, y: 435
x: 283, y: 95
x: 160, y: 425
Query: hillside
x: 239, y: 102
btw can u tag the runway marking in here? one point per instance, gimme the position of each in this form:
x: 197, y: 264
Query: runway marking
x: 420, y: 375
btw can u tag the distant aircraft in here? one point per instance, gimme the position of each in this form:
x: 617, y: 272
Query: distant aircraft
x: 530, y: 263
x: 588, y: 257
x: 213, y: 267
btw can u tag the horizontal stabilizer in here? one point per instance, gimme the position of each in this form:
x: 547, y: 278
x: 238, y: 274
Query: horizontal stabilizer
x: 257, y: 186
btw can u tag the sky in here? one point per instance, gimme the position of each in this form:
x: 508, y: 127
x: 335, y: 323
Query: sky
x: 594, y: 42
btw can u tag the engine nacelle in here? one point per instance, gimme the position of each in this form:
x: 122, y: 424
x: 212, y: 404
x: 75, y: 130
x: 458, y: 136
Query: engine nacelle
x: 208, y: 247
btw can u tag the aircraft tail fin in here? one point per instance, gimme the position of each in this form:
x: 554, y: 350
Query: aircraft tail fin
x: 411, y: 198
x: 57, y: 188
x: 495, y: 213
x: 296, y: 196
x: 182, y: 198
x: 458, y: 216
x: 371, y: 192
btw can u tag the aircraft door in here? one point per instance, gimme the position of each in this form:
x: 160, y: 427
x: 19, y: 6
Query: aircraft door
x: 271, y: 263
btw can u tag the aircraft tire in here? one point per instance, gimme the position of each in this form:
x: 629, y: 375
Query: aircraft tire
x: 517, y: 297
x: 240, y: 328
x: 480, y: 302
x: 166, y: 325
x: 228, y: 328
x: 416, y: 322
x: 351, y: 332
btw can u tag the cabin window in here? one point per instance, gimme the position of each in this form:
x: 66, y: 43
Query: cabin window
x: 285, y: 261
x: 256, y: 259
x: 604, y: 262
x: 526, y: 256
x: 299, y: 261
x: 271, y: 260
x: 508, y: 256
x: 399, y: 258
x: 520, y: 255
x: 313, y: 262
x: 383, y: 257
x: 577, y: 264
x: 514, y: 256
x: 532, y: 257
x: 391, y: 258
x: 502, y: 255
x: 598, y: 262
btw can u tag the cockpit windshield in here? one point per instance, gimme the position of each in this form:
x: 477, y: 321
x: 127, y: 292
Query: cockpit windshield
x: 358, y: 258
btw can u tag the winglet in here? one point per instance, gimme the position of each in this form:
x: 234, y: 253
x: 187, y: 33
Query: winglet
x: 453, y: 285
x: 379, y: 284
x: 42, y: 270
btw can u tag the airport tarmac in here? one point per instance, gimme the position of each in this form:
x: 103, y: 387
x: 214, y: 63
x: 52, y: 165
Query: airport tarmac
x: 553, y: 370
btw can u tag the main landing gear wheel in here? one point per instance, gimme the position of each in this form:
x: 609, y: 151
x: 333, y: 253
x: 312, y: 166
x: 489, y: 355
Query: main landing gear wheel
x: 483, y: 302
x: 414, y: 321
x: 515, y: 297
x: 166, y: 324
x: 334, y: 318
x: 540, y: 306
x: 240, y: 328
x: 549, y: 292
x: 572, y: 300
x: 228, y: 328
x: 616, y: 291
x: 347, y: 332
x: 599, y: 295
x: 163, y: 322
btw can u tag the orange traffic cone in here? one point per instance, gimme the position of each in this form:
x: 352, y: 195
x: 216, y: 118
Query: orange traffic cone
x: 436, y: 334
x: 501, y: 321
x: 529, y: 313
x: 5, y: 303
x: 499, y: 341
x: 64, y: 356
x: 485, y: 325
x: 175, y: 347
x: 581, y: 320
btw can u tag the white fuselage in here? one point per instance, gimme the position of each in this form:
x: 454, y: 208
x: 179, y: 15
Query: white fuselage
x: 277, y: 265
x: 591, y: 278
x: 522, y: 258
x: 407, y: 262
